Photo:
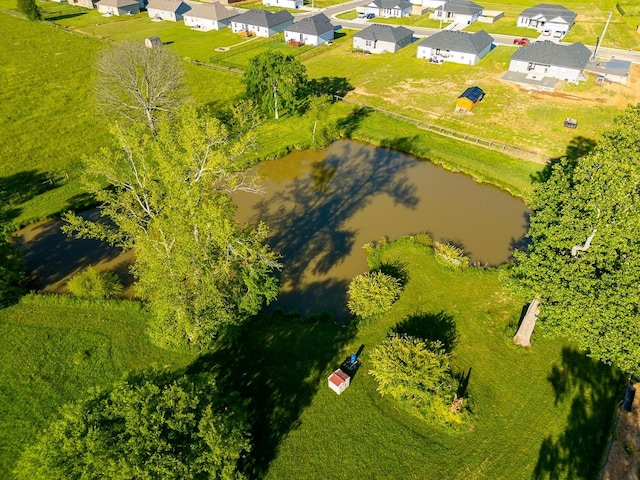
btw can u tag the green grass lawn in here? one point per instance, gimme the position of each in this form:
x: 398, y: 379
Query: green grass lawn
x: 350, y: 15
x: 53, y: 349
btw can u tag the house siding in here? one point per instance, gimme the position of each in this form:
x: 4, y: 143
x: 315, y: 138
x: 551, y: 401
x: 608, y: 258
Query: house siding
x: 307, y: 39
x: 129, y: 9
x: 452, y: 56
x: 561, y: 73
x: 163, y: 15
x: 378, y: 46
x: 204, y: 24
x: 237, y: 27
x: 283, y: 3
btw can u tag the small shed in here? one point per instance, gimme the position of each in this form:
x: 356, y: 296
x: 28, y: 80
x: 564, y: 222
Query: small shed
x: 153, y: 42
x: 469, y: 99
x: 339, y: 381
x: 571, y: 123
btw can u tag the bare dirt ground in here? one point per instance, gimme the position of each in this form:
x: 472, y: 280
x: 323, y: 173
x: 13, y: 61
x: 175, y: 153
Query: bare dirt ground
x: 624, y: 458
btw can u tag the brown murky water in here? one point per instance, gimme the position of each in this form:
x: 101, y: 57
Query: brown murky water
x: 322, y: 207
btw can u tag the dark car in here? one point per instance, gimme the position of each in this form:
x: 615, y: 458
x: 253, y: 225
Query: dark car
x: 371, y: 15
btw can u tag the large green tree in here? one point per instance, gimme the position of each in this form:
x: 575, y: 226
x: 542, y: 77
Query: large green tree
x: 276, y: 82
x: 11, y: 266
x: 583, y: 262
x: 169, y: 200
x: 148, y: 426
x: 30, y: 9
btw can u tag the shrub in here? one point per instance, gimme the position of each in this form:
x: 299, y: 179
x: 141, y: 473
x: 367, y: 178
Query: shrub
x: 91, y: 283
x: 372, y: 293
x: 450, y: 255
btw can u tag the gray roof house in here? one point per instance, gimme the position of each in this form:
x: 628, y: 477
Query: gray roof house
x: 261, y: 23
x: 461, y: 12
x: 118, y: 7
x: 456, y: 46
x: 209, y: 16
x: 171, y: 10
x: 554, y: 19
x: 389, y: 8
x: 313, y: 30
x: 378, y: 38
x: 545, y: 63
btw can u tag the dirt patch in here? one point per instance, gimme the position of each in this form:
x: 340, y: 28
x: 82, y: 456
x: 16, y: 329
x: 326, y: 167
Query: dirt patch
x: 623, y: 462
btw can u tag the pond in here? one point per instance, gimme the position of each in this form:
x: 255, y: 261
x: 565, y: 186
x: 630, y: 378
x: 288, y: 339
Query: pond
x: 322, y: 207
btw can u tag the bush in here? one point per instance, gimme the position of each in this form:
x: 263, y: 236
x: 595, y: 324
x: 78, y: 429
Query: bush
x: 450, y: 255
x: 91, y: 283
x: 372, y: 293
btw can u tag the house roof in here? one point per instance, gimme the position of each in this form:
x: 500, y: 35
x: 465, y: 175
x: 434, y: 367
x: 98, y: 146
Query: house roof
x: 210, y: 11
x: 574, y: 56
x: 338, y: 377
x: 458, y: 41
x: 391, y: 4
x: 384, y: 33
x: 474, y: 94
x: 176, y: 6
x: 461, y: 7
x: 263, y: 18
x: 547, y: 13
x: 117, y: 3
x: 614, y: 66
x: 315, y: 25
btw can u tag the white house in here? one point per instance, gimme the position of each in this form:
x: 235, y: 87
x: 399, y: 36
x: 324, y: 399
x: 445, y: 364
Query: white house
x: 379, y: 38
x: 118, y: 7
x: 209, y: 16
x: 283, y: 3
x: 553, y: 19
x: 261, y: 22
x: 549, y: 59
x: 389, y: 8
x: 462, y: 12
x: 456, y: 46
x: 82, y: 3
x: 171, y: 10
x: 313, y: 30
x: 339, y: 381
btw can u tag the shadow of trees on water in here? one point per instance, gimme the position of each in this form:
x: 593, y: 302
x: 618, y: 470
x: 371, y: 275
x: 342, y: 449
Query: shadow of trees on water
x: 277, y: 362
x: 593, y: 390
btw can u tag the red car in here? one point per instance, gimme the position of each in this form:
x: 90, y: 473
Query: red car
x: 521, y: 41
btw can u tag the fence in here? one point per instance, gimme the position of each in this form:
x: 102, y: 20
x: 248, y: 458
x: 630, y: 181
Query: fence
x: 446, y: 132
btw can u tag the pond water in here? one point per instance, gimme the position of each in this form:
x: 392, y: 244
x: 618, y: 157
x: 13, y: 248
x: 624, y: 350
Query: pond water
x: 322, y: 207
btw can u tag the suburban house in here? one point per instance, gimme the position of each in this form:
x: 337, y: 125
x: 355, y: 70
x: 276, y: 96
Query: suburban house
x: 461, y: 12
x: 261, y: 23
x: 456, y: 46
x: 389, y: 8
x: 553, y: 20
x: 283, y: 3
x: 82, y: 3
x: 469, y: 99
x: 613, y: 70
x: 171, y: 10
x: 313, y: 30
x: 118, y: 7
x: 209, y: 16
x: 543, y: 64
x: 378, y: 38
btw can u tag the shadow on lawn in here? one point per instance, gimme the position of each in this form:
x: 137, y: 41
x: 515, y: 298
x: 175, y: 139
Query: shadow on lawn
x: 430, y: 326
x: 21, y: 187
x: 277, y: 362
x: 578, y: 147
x: 593, y: 390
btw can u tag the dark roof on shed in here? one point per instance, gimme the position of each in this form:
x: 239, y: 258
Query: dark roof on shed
x: 472, y: 93
x: 384, y: 33
x: 263, y: 18
x: 316, y: 25
x: 574, y: 56
x: 545, y: 11
x: 458, y: 41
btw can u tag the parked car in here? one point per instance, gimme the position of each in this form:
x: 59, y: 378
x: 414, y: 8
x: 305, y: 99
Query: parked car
x: 521, y: 41
x: 371, y: 15
x: 362, y: 15
x: 546, y: 33
x: 557, y: 34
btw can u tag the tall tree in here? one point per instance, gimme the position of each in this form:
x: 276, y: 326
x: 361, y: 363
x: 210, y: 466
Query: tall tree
x: 138, y: 83
x: 11, y: 267
x: 169, y: 200
x: 277, y: 82
x: 147, y: 426
x: 583, y: 263
x: 30, y: 9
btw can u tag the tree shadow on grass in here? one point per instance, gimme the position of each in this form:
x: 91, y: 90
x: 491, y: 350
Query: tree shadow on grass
x: 21, y: 187
x: 58, y: 16
x: 578, y: 147
x: 339, y: 86
x: 593, y: 390
x: 397, y: 270
x: 278, y: 362
x: 430, y: 326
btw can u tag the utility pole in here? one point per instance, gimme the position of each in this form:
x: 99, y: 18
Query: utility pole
x: 601, y: 36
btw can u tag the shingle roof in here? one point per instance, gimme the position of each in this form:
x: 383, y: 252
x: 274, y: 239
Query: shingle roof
x: 176, y: 6
x: 461, y: 7
x: 263, y: 18
x: 458, y: 41
x: 391, y: 4
x: 210, y: 11
x: 117, y: 3
x: 547, y: 12
x: 574, y: 56
x: 384, y: 33
x: 315, y: 25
